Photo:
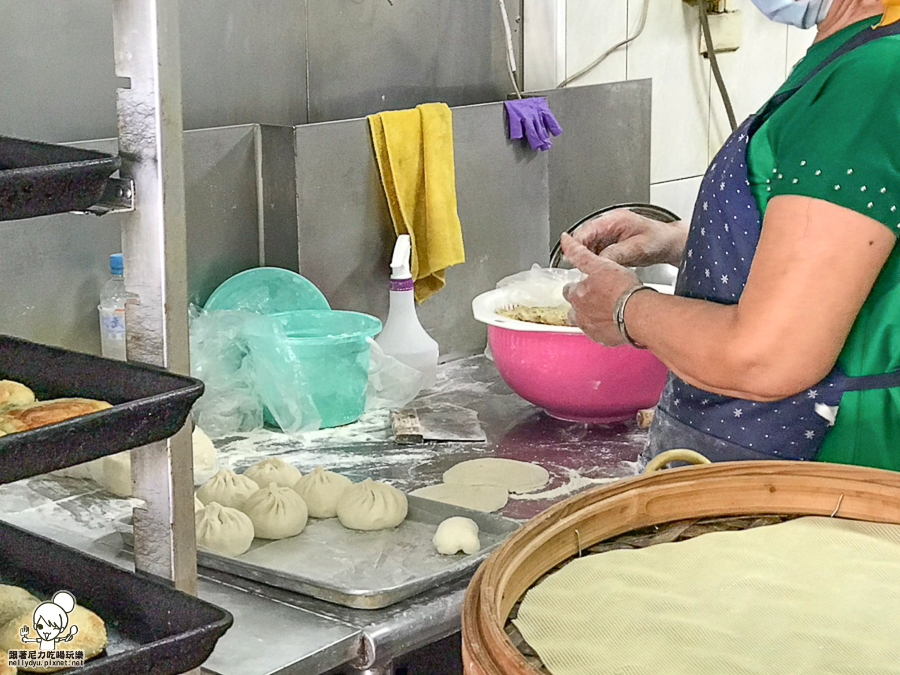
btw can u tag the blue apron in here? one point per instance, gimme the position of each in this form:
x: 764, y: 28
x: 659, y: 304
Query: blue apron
x: 722, y: 241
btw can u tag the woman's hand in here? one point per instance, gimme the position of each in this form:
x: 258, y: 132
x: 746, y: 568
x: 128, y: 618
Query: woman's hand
x: 630, y: 239
x: 594, y: 298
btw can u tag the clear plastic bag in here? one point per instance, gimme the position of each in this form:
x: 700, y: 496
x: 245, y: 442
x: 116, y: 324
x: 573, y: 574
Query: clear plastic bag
x: 539, y: 286
x: 248, y: 369
x: 391, y: 384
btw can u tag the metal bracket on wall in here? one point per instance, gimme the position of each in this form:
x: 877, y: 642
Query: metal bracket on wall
x: 118, y: 197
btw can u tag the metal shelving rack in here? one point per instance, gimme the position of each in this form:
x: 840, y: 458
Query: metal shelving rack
x: 147, y: 55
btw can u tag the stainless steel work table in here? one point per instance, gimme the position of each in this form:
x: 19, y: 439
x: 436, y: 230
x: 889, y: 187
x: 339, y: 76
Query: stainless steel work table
x: 279, y: 632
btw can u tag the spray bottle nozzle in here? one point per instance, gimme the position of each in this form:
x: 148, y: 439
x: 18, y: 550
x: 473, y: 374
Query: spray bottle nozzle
x: 400, y: 258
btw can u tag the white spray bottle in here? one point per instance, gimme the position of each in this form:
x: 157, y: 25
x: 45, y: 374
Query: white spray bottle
x: 403, y: 336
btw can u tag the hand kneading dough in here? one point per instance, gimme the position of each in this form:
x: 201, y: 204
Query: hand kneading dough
x: 321, y: 491
x: 273, y: 470
x: 14, y: 394
x: 41, y: 413
x: 224, y: 530
x: 515, y: 476
x: 227, y: 488
x: 91, y: 635
x: 457, y: 534
x: 15, y: 601
x: 484, y: 498
x: 276, y: 512
x: 371, y: 506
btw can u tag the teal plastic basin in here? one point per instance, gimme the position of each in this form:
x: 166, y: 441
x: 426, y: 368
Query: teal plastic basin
x: 331, y: 351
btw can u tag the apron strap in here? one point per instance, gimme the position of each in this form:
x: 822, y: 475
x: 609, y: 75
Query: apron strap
x: 866, y: 382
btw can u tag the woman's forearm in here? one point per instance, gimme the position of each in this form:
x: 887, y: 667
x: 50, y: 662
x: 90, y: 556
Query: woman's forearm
x: 702, y: 343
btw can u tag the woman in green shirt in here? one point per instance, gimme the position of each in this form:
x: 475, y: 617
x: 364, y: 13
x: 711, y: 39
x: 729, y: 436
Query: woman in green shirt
x: 783, y: 337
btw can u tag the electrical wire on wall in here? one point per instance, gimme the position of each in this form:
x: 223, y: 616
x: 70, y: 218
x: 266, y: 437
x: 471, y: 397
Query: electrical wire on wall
x: 714, y: 64
x: 640, y: 29
x: 510, y: 51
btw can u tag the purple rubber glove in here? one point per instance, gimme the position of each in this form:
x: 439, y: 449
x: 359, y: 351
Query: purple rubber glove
x: 531, y: 118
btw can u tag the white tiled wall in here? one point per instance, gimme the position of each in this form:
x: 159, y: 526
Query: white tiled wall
x: 688, y: 118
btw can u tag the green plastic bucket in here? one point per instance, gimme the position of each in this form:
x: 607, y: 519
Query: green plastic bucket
x: 331, y: 351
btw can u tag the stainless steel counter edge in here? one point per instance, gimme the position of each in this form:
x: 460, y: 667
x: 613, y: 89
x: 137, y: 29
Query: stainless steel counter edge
x: 273, y: 638
x: 384, y: 633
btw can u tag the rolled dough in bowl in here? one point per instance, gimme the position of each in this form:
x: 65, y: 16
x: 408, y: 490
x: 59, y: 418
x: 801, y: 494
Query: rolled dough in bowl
x: 484, y: 498
x: 515, y: 476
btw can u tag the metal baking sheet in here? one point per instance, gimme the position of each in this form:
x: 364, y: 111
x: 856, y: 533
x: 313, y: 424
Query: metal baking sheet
x: 151, y: 627
x: 149, y: 404
x: 363, y: 570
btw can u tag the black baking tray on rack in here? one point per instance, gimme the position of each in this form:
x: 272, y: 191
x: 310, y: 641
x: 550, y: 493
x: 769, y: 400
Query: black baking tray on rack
x: 149, y: 405
x: 152, y: 628
x: 40, y: 179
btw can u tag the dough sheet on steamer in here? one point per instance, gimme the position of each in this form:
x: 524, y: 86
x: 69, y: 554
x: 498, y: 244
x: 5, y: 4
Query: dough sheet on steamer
x: 808, y: 596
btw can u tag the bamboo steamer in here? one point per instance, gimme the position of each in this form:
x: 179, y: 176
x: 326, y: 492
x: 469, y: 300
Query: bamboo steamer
x: 724, y: 489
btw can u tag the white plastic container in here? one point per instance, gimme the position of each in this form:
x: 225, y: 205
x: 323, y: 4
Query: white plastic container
x: 403, y: 336
x: 112, y: 311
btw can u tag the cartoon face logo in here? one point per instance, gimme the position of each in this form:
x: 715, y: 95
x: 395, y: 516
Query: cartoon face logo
x: 50, y: 620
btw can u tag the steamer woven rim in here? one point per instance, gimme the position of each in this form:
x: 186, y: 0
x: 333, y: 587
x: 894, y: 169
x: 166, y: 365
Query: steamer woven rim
x: 724, y: 489
x: 485, y: 306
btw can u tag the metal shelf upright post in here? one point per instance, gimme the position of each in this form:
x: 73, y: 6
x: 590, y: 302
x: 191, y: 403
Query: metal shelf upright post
x: 147, y: 54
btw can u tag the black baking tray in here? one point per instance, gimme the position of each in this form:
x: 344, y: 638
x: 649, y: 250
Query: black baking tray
x: 39, y: 179
x: 152, y: 627
x: 149, y: 405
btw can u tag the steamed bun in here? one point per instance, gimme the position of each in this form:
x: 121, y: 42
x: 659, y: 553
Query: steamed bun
x: 371, y: 506
x: 227, y: 488
x: 273, y: 470
x: 224, y: 530
x: 276, y: 512
x: 321, y: 491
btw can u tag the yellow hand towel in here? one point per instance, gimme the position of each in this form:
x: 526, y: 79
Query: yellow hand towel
x: 414, y: 149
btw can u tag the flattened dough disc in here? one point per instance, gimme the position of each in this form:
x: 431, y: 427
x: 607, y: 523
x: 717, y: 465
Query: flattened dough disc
x: 484, y: 498
x: 511, y: 474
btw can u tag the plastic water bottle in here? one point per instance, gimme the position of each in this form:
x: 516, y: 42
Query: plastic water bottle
x: 112, y: 311
x: 403, y: 336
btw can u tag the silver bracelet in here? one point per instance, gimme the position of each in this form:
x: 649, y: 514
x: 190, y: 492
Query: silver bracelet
x: 619, y: 312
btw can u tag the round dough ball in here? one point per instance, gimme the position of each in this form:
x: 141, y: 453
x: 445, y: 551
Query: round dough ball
x: 224, y: 530
x: 227, y: 488
x: 484, y: 498
x: 198, y: 505
x: 91, y: 635
x: 515, y: 476
x: 457, y: 534
x: 273, y: 470
x: 15, y: 601
x: 371, y: 506
x: 14, y: 394
x: 276, y: 512
x: 321, y: 491
x: 206, y: 459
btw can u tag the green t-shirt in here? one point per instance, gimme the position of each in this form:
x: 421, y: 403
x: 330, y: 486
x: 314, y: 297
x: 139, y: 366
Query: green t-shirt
x: 838, y: 139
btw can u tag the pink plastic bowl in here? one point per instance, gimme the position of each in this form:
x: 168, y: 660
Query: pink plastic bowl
x: 574, y: 378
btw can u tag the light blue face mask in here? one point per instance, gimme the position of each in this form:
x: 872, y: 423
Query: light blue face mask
x: 799, y: 13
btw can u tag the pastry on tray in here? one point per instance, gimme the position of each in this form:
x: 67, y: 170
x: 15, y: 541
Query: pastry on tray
x: 14, y: 394
x: 38, y: 414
